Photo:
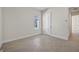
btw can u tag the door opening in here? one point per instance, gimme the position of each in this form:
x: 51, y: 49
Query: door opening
x: 75, y: 24
x: 75, y: 27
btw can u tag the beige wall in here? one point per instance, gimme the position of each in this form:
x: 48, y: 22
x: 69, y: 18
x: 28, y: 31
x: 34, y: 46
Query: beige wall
x: 0, y: 27
x: 19, y: 22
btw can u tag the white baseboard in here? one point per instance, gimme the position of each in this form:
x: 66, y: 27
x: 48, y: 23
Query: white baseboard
x: 20, y: 37
x: 61, y: 37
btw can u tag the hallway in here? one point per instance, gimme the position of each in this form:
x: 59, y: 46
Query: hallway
x: 41, y: 43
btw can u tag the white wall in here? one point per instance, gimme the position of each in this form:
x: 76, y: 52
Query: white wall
x: 60, y: 19
x: 47, y: 21
x: 60, y: 25
x: 19, y: 22
x: 0, y: 27
x: 70, y: 23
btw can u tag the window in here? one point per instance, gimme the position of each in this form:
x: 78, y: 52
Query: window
x: 36, y: 22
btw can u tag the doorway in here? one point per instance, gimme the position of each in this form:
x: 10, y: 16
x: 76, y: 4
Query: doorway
x: 75, y: 24
x: 75, y: 27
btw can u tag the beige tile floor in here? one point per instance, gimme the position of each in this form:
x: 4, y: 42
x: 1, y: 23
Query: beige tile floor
x: 42, y: 43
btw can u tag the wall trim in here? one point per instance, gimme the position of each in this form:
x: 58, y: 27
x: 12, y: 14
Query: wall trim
x: 21, y: 37
x: 64, y: 38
